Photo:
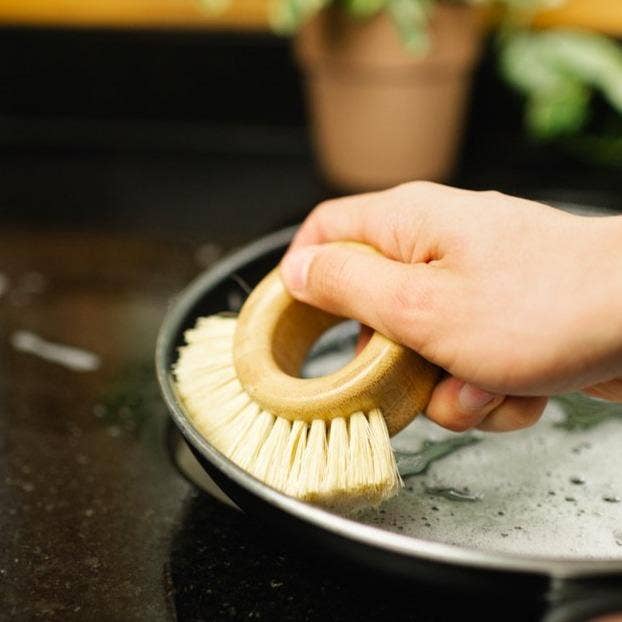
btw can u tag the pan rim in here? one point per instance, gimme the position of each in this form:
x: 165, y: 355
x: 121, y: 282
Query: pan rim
x: 350, y: 529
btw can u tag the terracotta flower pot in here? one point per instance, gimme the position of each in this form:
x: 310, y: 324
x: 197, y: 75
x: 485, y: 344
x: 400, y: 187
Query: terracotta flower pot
x: 381, y: 115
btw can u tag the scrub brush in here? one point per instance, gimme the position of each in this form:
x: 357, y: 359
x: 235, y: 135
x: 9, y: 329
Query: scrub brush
x: 324, y: 440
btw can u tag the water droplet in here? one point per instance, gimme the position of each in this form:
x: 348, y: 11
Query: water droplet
x: 611, y: 499
x: 570, y: 499
x: 577, y: 449
x: 99, y: 410
x: 453, y: 494
x: 577, y: 480
x: 501, y: 513
x: 617, y: 536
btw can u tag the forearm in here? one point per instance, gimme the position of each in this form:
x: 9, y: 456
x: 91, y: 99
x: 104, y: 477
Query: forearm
x: 602, y: 317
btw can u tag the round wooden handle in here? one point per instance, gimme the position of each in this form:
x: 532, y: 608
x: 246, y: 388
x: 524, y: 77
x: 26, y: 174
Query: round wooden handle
x: 273, y: 335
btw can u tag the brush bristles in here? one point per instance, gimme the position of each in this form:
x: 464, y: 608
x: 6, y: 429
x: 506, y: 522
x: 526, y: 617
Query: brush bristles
x: 345, y: 464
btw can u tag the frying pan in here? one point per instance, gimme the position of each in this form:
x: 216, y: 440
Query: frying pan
x: 578, y: 585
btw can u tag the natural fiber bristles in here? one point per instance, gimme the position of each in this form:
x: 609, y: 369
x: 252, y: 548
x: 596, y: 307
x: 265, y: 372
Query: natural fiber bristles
x: 344, y: 464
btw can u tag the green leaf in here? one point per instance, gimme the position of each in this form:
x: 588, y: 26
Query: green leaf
x: 557, y: 71
x: 287, y: 16
x: 559, y: 112
x: 411, y: 19
x: 364, y: 8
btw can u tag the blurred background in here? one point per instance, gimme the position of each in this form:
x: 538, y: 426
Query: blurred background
x: 152, y: 112
x: 140, y: 140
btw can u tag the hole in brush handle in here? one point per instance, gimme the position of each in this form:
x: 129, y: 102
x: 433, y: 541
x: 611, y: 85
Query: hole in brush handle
x: 333, y: 350
x: 273, y: 336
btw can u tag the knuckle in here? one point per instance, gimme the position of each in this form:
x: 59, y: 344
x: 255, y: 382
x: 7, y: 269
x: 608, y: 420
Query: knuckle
x: 416, y: 187
x: 320, y: 212
x: 318, y: 221
x: 413, y: 299
x: 324, y: 206
x: 492, y: 195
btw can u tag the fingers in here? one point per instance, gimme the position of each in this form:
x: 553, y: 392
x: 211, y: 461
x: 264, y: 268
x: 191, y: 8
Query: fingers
x: 391, y: 297
x: 458, y: 406
x: 379, y: 218
x: 611, y: 390
x: 365, y: 334
x: 339, y: 219
x: 514, y: 414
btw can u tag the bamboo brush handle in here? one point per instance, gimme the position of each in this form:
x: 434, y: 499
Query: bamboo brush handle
x: 273, y: 335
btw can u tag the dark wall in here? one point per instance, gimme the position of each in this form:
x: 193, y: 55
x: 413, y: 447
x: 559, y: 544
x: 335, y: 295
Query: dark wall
x: 169, y: 127
x: 221, y: 77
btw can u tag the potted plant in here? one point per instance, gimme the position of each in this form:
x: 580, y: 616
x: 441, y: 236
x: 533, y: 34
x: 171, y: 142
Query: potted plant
x: 388, y: 80
x: 387, y: 86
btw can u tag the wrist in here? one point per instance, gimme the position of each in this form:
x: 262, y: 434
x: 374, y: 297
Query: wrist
x: 606, y: 294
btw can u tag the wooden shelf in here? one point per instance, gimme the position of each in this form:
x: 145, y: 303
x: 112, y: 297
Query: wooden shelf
x: 240, y: 14
x: 601, y: 15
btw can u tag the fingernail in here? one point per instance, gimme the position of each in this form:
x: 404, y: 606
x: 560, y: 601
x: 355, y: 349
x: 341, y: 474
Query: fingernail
x: 472, y: 399
x: 295, y: 267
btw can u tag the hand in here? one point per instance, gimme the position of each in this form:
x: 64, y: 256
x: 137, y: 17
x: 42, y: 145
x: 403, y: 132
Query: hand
x: 514, y: 299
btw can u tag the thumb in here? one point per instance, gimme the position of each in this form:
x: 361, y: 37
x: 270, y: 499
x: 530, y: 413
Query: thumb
x: 387, y: 295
